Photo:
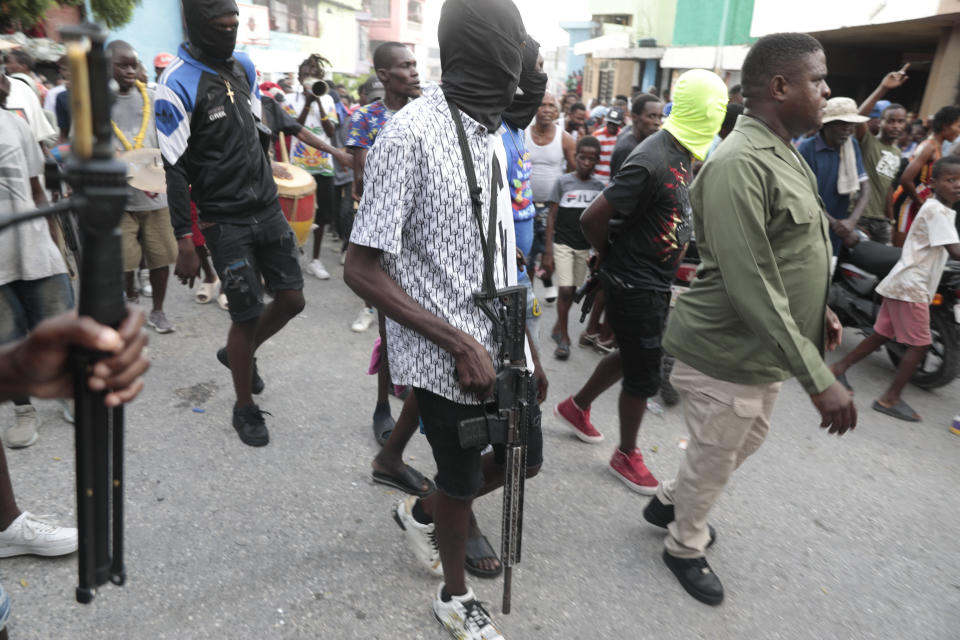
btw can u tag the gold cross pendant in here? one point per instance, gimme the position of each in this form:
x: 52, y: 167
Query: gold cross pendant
x: 229, y: 91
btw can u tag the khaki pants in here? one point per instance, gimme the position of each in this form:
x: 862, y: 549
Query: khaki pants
x: 727, y: 423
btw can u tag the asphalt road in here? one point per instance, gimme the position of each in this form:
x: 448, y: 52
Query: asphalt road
x: 818, y: 536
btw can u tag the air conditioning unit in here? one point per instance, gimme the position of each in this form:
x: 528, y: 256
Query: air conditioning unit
x: 647, y: 42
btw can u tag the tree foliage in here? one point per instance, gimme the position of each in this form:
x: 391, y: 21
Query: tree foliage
x: 112, y: 13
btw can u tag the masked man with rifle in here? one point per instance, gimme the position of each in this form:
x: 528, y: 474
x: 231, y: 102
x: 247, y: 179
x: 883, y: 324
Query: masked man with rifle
x: 421, y: 248
x: 214, y: 151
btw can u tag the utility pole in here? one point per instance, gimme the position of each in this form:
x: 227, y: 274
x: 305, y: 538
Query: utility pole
x: 722, y: 37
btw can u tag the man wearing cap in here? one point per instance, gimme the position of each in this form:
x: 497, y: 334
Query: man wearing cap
x: 640, y: 226
x: 881, y: 155
x: 608, y: 141
x: 834, y: 155
x: 160, y: 62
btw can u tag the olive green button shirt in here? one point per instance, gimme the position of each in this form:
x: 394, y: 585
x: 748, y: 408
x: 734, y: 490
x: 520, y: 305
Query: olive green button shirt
x: 755, y: 312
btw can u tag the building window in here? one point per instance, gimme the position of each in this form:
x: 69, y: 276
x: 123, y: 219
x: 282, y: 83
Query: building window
x: 415, y: 12
x: 278, y: 16
x: 379, y: 9
x: 624, y: 19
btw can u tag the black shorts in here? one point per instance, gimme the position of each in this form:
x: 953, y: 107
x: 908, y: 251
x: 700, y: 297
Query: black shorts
x: 459, y: 472
x: 243, y: 252
x: 324, y: 212
x: 638, y: 317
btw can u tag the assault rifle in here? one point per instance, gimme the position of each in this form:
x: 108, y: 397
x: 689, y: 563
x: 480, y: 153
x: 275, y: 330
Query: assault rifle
x: 99, y: 195
x: 508, y: 418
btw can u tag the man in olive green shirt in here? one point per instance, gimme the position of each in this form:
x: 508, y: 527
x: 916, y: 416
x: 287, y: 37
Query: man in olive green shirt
x: 756, y: 314
x: 881, y: 155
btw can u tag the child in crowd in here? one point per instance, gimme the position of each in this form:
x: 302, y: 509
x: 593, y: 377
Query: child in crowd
x: 567, y: 249
x: 909, y: 288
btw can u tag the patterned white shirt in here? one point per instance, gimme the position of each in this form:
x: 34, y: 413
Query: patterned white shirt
x: 416, y: 209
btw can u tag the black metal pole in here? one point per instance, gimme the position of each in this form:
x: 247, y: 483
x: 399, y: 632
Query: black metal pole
x: 99, y: 181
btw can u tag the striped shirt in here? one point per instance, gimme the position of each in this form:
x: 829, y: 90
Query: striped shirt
x: 607, y: 144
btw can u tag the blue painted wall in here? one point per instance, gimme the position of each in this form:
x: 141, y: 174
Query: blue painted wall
x: 155, y: 27
x: 579, y: 31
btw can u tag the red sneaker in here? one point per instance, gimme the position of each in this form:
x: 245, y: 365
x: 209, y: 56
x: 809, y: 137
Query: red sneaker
x: 578, y: 419
x: 630, y: 469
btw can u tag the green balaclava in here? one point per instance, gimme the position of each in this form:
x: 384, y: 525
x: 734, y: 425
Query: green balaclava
x: 699, y: 105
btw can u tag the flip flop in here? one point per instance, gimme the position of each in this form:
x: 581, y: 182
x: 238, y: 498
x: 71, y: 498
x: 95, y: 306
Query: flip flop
x: 478, y: 548
x: 222, y: 302
x: 842, y: 379
x: 409, y: 482
x: 900, y: 411
x: 562, y: 352
x: 206, y: 292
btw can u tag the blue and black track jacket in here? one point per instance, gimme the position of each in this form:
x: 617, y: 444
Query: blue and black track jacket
x: 207, y: 128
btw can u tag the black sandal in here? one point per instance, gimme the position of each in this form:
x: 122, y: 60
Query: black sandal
x: 478, y: 548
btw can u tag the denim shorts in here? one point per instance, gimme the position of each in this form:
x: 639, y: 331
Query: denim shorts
x: 243, y: 252
x: 638, y: 317
x: 25, y: 303
x: 459, y: 472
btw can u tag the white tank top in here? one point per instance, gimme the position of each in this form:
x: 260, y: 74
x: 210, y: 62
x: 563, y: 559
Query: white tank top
x: 546, y: 162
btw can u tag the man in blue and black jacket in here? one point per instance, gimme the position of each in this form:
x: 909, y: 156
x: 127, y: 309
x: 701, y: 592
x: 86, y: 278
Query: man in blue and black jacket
x: 208, y: 125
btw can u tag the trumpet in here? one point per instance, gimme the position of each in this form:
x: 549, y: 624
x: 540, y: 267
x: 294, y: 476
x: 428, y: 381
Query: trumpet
x: 315, y: 86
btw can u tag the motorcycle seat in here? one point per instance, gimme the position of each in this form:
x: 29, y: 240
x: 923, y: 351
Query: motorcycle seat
x: 873, y: 257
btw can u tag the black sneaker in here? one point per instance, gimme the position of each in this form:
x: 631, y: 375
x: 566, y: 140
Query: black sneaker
x: 256, y: 384
x: 696, y: 576
x: 660, y: 515
x: 248, y: 421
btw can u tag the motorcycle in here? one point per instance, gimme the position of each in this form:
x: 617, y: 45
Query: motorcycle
x: 854, y: 299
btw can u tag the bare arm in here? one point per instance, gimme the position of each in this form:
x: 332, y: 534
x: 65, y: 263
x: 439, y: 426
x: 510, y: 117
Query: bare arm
x: 920, y: 158
x: 890, y: 81
x: 569, y: 151
x: 308, y: 137
x: 547, y: 260
x: 953, y: 250
x: 595, y: 223
x: 364, y: 274
x: 359, y: 164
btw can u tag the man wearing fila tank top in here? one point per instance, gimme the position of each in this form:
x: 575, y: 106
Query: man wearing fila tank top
x: 552, y: 153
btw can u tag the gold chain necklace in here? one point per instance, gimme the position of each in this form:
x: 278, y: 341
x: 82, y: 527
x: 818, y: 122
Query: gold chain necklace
x: 144, y: 122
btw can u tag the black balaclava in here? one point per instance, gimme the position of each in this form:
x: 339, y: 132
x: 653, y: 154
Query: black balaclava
x: 533, y: 84
x: 212, y: 42
x: 481, y: 49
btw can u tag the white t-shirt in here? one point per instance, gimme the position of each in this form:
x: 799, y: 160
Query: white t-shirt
x: 24, y: 102
x: 303, y: 155
x: 50, y: 102
x: 916, y: 275
x: 27, y: 252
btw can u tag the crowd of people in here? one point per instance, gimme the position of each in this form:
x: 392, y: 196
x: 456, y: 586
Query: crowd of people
x: 787, y: 179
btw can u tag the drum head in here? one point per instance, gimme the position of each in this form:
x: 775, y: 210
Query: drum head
x: 300, y: 183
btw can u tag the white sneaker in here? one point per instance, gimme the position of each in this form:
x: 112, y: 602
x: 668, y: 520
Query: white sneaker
x: 67, y: 407
x: 36, y: 535
x: 316, y: 269
x: 364, y: 320
x: 465, y: 617
x: 422, y: 537
x: 23, y: 432
x: 143, y: 276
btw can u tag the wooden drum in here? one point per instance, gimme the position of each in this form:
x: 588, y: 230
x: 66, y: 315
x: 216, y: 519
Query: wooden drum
x: 298, y: 199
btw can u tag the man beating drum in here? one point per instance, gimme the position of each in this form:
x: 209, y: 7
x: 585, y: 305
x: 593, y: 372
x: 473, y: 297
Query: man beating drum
x: 297, y: 187
x: 229, y: 177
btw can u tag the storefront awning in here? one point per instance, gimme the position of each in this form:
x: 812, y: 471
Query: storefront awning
x: 731, y: 57
x: 593, y: 45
